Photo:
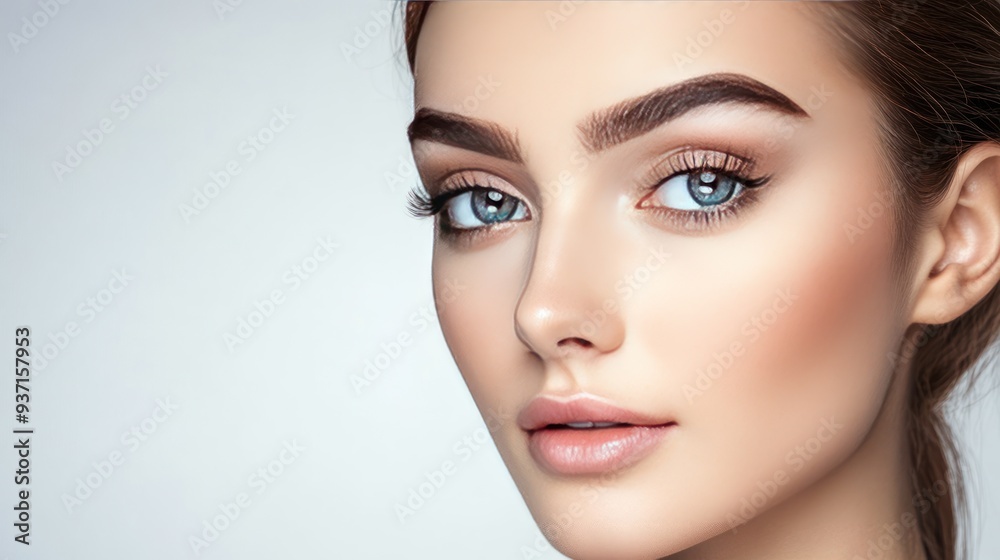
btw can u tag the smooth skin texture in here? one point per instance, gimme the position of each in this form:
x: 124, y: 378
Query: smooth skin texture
x: 792, y: 448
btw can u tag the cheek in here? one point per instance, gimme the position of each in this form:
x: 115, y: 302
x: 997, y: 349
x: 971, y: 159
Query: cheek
x: 826, y: 354
x: 822, y: 336
x: 808, y: 311
x: 820, y: 348
x: 814, y: 383
x: 477, y: 322
x: 476, y: 316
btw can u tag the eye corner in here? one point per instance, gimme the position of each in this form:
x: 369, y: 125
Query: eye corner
x: 758, y: 182
x: 644, y: 201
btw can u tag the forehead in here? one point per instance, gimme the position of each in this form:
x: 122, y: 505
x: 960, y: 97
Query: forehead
x: 533, y: 66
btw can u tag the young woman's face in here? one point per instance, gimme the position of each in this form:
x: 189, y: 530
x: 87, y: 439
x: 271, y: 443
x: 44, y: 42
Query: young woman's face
x: 672, y: 217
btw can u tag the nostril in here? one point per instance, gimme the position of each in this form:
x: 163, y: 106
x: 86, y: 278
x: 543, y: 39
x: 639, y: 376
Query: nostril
x: 575, y: 341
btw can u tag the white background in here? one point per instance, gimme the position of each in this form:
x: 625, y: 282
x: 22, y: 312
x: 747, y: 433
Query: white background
x: 338, y: 171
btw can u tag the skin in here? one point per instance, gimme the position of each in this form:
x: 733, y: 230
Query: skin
x: 812, y: 399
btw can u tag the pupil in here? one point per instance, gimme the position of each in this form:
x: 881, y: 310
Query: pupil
x: 491, y: 206
x: 709, y: 189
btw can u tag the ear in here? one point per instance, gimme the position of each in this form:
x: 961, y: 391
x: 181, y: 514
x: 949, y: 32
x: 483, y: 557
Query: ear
x: 960, y: 251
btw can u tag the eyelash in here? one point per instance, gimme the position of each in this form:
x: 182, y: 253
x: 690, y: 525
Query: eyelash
x: 691, y: 162
x: 421, y: 204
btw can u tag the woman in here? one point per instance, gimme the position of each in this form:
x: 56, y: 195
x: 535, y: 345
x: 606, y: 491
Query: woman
x: 723, y: 262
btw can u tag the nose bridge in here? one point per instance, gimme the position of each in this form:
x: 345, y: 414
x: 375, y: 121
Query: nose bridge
x: 564, y: 303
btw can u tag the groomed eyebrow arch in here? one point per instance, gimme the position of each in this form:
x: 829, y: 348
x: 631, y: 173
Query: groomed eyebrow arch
x: 634, y: 117
x: 464, y: 132
x: 607, y: 127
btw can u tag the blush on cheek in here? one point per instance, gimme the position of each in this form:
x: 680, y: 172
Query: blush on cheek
x: 822, y: 356
x: 825, y: 341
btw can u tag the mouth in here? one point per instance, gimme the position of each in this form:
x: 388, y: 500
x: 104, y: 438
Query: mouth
x: 584, y: 435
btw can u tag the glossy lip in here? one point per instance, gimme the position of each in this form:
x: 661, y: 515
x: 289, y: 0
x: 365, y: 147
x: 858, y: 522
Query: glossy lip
x: 569, y: 451
x: 581, y: 407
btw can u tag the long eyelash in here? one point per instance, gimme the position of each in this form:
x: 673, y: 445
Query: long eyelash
x: 737, y: 167
x: 714, y: 217
x: 420, y: 204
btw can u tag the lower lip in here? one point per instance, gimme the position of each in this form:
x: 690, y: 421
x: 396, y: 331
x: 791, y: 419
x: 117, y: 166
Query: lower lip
x: 594, y: 451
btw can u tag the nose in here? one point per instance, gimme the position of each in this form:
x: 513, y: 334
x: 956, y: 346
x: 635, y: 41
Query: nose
x: 567, y: 306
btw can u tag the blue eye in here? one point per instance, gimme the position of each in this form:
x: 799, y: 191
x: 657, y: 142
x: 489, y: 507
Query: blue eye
x: 697, y: 189
x: 480, y: 207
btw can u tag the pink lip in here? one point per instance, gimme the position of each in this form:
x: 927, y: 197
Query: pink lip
x: 565, y: 450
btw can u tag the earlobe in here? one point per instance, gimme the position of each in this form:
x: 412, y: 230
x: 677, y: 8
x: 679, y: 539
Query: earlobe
x: 963, y: 247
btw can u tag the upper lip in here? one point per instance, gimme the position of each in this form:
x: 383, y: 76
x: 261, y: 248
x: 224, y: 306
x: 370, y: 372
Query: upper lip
x: 546, y: 410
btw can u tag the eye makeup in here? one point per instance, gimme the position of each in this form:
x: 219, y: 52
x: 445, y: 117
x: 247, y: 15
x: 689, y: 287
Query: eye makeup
x: 690, y: 190
x: 465, y: 198
x: 717, y: 186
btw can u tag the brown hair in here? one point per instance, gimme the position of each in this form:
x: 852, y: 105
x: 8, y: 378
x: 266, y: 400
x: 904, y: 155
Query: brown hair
x: 934, y: 66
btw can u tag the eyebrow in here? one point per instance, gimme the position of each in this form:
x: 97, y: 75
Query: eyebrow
x: 611, y: 126
x: 464, y: 132
x: 637, y: 116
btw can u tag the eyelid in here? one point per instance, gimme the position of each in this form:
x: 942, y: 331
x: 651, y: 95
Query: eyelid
x: 689, y: 158
x: 466, y: 180
x: 422, y: 204
x: 466, y: 184
x: 440, y: 165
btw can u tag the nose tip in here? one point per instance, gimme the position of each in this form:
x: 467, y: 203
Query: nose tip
x: 556, y: 321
